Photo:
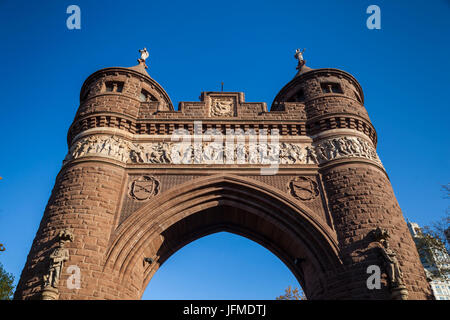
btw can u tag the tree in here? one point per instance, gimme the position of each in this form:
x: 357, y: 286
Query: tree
x: 438, y: 229
x: 292, y: 294
x: 433, y: 243
x: 6, y: 281
x: 6, y: 284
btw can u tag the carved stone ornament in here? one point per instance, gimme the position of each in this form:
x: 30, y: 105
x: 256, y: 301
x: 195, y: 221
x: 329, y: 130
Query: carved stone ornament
x: 303, y: 188
x: 144, y: 188
x: 57, y: 258
x: 391, y: 265
x: 222, y: 107
x: 221, y: 153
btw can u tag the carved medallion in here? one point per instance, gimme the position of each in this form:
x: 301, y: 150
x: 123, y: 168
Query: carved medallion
x: 222, y: 107
x: 144, y: 188
x: 303, y: 188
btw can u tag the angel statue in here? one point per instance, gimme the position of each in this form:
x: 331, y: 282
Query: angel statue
x: 144, y: 55
x: 299, y: 56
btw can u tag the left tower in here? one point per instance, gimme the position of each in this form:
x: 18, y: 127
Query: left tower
x: 80, y: 213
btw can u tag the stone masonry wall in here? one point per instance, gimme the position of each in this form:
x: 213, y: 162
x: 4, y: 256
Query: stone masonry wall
x: 360, y: 199
x: 84, y: 199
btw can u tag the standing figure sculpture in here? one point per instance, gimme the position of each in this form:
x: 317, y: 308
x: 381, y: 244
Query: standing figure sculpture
x: 144, y: 55
x: 299, y: 56
x: 57, y: 259
x: 391, y: 265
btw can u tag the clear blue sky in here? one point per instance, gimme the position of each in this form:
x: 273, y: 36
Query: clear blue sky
x: 194, y: 46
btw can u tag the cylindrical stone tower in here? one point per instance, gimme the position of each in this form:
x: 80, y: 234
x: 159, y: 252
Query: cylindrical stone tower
x: 357, y: 187
x: 88, y: 189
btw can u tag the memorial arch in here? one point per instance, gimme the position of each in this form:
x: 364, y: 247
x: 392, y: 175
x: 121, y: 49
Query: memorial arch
x: 141, y: 180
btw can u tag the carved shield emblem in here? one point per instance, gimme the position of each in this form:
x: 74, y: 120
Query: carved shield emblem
x: 303, y: 188
x: 144, y: 188
x: 222, y: 107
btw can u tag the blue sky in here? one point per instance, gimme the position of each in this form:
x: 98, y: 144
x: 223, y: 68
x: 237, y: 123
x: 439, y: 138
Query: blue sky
x: 194, y: 46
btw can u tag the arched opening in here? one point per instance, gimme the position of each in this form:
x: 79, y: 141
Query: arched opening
x: 221, y: 266
x: 238, y: 205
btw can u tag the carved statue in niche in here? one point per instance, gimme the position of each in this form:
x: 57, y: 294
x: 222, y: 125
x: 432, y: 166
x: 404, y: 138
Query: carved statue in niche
x: 391, y: 265
x: 57, y: 258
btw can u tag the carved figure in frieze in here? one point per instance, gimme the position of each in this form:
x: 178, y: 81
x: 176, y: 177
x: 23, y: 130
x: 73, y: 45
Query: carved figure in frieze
x: 165, y: 153
x: 329, y: 149
x: 213, y: 152
x: 137, y: 153
x: 243, y: 155
x: 321, y: 153
x: 122, y: 151
x: 350, y: 144
x: 287, y: 154
x: 273, y: 153
x: 299, y: 154
x: 153, y: 154
x: 341, y: 148
x: 105, y: 147
x: 310, y: 155
x: 364, y: 146
x: 229, y: 153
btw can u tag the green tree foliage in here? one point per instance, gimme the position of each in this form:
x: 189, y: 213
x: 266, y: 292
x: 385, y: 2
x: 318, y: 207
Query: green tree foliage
x: 6, y: 284
x: 433, y: 239
x: 6, y: 281
x: 292, y: 294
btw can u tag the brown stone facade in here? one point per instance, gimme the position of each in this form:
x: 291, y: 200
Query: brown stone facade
x: 130, y: 203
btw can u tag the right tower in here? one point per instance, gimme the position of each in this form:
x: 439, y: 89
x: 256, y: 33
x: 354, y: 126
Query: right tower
x: 366, y: 216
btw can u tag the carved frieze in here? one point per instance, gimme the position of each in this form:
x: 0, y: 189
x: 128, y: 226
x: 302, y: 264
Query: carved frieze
x: 214, y: 152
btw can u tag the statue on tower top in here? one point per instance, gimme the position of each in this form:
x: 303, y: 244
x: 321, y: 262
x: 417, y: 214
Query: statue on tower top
x: 299, y: 56
x: 144, y: 56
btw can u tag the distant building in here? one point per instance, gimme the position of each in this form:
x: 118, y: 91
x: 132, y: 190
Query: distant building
x: 436, y: 263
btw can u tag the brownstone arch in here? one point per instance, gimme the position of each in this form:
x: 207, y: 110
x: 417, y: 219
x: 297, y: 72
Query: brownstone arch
x: 225, y: 203
x: 128, y: 195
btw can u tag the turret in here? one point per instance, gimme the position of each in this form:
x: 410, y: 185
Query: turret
x: 357, y: 187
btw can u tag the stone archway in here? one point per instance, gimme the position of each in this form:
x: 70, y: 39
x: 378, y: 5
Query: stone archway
x: 127, y: 190
x: 224, y: 203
